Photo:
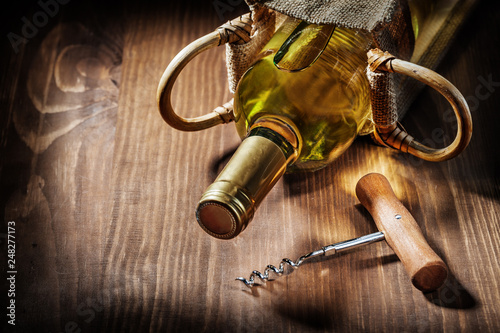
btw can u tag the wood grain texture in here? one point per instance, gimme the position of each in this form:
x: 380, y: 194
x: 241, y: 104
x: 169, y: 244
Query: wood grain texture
x: 103, y: 192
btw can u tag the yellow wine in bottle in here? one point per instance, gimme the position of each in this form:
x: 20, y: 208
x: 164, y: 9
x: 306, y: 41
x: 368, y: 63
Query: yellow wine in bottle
x: 325, y: 104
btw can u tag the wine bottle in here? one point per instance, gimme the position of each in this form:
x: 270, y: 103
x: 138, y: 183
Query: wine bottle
x: 300, y: 117
x: 290, y: 120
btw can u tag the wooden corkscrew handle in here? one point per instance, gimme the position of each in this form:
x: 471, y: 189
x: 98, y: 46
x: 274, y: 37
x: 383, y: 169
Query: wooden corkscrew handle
x: 425, y: 268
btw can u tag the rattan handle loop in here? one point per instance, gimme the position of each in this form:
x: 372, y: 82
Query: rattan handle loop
x: 395, y: 136
x: 235, y: 31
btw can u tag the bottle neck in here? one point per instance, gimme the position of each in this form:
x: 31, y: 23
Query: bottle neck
x: 228, y: 205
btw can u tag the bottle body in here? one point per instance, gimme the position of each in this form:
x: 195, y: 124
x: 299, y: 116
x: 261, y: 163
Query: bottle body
x: 325, y: 105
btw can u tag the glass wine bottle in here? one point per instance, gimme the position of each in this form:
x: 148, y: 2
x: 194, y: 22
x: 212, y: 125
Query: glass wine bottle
x: 294, y: 113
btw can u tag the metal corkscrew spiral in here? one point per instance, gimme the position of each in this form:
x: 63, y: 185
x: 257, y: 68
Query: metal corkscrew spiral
x: 397, y: 226
x: 324, y: 251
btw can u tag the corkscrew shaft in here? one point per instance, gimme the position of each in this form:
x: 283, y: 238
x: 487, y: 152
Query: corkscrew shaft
x: 324, y: 251
x: 353, y: 243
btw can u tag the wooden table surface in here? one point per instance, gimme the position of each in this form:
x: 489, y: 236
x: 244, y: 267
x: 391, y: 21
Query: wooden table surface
x: 103, y: 192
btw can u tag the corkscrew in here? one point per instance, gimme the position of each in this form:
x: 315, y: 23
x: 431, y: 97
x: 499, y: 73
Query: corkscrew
x: 396, y: 226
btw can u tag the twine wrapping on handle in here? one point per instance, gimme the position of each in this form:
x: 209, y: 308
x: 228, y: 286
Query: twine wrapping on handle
x: 236, y: 31
x: 388, y: 131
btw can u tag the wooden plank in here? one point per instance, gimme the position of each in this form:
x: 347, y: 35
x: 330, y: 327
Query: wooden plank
x: 103, y: 192
x: 57, y: 163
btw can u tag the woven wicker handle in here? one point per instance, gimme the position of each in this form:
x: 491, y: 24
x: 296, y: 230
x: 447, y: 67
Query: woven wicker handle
x: 235, y: 31
x: 426, y: 270
x: 392, y: 134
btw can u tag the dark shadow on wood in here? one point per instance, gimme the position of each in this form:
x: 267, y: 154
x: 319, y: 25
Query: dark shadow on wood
x: 452, y: 295
x: 219, y: 162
